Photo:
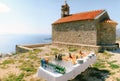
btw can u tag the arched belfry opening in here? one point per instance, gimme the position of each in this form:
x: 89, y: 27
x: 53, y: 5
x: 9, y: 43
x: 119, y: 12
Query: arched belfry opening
x: 65, y: 9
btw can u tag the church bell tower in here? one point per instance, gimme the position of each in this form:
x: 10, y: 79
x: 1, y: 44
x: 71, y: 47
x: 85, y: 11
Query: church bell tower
x: 65, y: 10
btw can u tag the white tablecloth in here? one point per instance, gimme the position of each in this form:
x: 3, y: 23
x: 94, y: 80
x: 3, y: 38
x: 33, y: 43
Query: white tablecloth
x: 77, y: 69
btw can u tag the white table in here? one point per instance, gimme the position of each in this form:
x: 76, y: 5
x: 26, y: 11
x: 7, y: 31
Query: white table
x: 76, y: 69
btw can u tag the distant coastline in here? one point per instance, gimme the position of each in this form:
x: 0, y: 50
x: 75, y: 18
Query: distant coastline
x: 9, y: 41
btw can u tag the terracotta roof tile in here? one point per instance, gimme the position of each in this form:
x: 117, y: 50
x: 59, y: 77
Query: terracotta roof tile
x: 80, y: 16
x: 110, y: 21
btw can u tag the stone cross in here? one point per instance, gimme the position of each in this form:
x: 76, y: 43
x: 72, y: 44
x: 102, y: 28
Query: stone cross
x: 65, y: 1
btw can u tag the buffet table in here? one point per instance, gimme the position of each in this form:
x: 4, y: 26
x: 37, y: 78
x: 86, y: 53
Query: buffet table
x: 73, y: 72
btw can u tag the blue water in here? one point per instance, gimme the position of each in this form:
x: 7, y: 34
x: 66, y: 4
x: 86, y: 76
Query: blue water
x: 8, y: 42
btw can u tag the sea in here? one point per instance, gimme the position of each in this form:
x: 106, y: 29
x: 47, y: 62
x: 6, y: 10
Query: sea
x: 9, y: 42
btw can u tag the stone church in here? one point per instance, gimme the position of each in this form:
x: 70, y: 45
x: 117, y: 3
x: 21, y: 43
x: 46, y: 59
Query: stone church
x: 91, y: 29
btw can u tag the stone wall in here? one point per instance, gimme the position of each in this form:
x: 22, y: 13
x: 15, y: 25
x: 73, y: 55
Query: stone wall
x: 36, y: 45
x: 81, y: 32
x: 22, y: 49
x: 30, y: 47
x: 107, y: 34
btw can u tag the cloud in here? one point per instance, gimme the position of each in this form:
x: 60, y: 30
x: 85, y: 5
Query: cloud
x: 4, y: 8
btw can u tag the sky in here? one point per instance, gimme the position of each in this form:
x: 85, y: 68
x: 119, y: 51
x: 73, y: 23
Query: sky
x: 36, y: 16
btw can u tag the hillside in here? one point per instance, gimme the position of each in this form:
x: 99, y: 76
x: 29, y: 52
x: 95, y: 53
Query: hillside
x: 23, y: 66
x: 118, y: 32
x: 118, y: 38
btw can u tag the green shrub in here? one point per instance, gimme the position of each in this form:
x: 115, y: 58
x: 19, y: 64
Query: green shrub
x: 3, y: 66
x: 28, y: 74
x: 107, y: 54
x: 34, y: 57
x: 28, y: 69
x: 37, y: 51
x: 112, y: 73
x: 22, y: 55
x: 47, y: 54
x: 55, y: 53
x: 20, y: 61
x: 14, y: 53
x: 118, y: 79
x: 55, y: 49
x: 13, y: 77
x: 27, y: 66
x: 9, y: 61
x: 72, y: 49
x: 99, y: 64
x: 31, y: 52
x: 112, y: 65
x: 113, y: 61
